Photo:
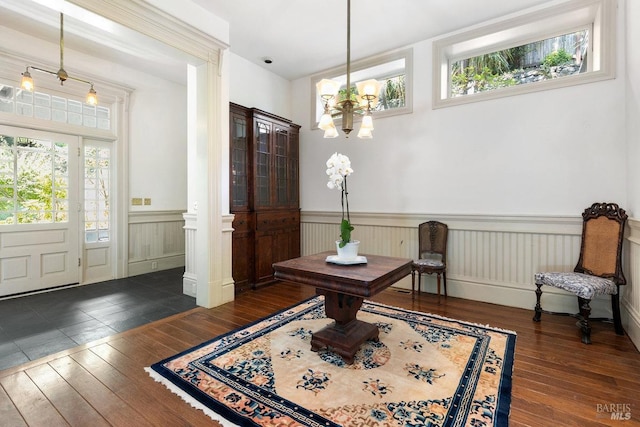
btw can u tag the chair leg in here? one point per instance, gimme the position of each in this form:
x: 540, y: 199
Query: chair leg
x: 536, y: 317
x: 438, y: 279
x: 444, y: 280
x: 419, y: 282
x: 585, y: 311
x: 615, y: 308
x: 413, y: 283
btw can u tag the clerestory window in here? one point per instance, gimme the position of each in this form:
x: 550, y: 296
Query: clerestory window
x: 565, y: 45
x: 548, y: 59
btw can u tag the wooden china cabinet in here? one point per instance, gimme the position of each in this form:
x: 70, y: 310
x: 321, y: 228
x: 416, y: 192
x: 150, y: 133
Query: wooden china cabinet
x: 264, y: 194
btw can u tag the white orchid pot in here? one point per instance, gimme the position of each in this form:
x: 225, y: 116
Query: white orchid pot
x: 349, y: 251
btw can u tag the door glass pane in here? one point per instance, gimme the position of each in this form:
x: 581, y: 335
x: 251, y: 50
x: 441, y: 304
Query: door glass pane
x: 97, y: 190
x: 34, y: 180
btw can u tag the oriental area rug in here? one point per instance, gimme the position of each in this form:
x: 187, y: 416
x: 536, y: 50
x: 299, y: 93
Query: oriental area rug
x: 424, y: 370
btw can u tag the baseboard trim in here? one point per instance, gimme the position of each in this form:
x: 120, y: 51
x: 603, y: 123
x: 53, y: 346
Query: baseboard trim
x: 155, y: 264
x: 189, y: 284
x: 631, y: 322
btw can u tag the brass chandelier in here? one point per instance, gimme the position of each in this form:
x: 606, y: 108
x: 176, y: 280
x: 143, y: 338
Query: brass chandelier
x: 27, y: 81
x: 361, y: 103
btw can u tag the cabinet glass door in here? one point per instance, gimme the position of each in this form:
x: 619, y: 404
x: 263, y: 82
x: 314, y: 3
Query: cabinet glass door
x: 282, y: 182
x: 239, y: 156
x: 292, y: 166
x: 263, y: 155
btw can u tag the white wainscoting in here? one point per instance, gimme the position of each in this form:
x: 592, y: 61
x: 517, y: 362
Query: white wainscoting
x: 490, y: 258
x: 156, y: 241
x: 631, y: 293
x: 190, y: 277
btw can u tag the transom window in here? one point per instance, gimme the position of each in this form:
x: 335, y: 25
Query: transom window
x: 43, y: 106
x: 568, y: 44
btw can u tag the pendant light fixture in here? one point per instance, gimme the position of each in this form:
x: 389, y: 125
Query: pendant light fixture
x: 334, y: 105
x: 27, y: 81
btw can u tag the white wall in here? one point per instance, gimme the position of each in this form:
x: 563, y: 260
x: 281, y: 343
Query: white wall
x: 158, y: 145
x: 551, y: 153
x: 633, y: 105
x: 253, y: 86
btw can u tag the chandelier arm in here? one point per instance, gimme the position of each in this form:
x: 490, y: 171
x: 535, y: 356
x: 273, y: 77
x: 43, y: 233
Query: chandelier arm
x: 61, y: 41
x: 53, y: 73
x: 81, y: 80
x: 347, y: 104
x: 42, y: 70
x: 349, y: 50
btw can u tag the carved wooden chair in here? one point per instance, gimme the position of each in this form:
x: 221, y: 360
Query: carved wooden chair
x: 599, y: 267
x: 432, y: 254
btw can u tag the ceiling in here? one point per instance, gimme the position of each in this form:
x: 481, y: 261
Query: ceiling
x: 301, y: 37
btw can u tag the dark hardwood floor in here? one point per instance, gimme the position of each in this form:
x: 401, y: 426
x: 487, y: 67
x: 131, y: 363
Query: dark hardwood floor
x: 557, y: 380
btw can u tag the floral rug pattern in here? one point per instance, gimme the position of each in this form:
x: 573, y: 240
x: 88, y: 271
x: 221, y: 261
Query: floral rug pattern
x: 425, y: 370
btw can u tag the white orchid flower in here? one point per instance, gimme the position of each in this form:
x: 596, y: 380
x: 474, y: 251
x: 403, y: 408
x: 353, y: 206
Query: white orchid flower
x: 338, y: 169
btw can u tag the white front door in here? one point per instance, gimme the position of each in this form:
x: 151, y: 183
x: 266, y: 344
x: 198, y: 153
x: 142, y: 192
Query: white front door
x: 39, y: 210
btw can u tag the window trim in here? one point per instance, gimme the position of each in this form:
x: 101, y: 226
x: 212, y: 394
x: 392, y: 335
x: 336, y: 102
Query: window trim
x: 598, y: 15
x: 406, y: 54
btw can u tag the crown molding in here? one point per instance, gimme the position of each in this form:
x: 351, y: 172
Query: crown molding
x: 153, y: 22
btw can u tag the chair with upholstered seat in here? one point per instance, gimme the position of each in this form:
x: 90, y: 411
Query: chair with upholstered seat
x: 599, y: 267
x: 432, y: 254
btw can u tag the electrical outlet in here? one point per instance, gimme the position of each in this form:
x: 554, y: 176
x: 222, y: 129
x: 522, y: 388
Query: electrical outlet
x: 154, y: 265
x: 136, y: 201
x: 147, y: 202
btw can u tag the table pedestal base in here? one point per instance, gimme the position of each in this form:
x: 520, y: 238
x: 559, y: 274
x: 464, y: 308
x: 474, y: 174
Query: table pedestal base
x: 346, y: 334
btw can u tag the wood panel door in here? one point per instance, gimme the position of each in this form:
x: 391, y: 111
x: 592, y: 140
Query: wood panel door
x: 39, y: 210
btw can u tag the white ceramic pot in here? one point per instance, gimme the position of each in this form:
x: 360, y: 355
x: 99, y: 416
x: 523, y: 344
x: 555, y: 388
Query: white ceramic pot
x: 349, y: 251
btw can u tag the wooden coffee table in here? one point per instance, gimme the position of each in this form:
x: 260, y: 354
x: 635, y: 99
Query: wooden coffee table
x: 344, y: 287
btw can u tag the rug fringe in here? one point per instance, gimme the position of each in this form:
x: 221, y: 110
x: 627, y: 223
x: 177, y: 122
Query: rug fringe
x: 188, y: 399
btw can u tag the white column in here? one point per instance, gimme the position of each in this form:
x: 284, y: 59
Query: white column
x: 213, y: 243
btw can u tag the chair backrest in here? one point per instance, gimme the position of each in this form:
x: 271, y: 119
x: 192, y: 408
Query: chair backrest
x: 432, y: 239
x: 602, y: 237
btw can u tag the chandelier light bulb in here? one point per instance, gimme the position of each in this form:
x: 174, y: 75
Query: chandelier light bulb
x: 27, y: 82
x: 367, y: 122
x: 327, y: 88
x: 326, y: 121
x: 369, y: 88
x: 92, y: 97
x: 364, y: 133
x: 331, y: 132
